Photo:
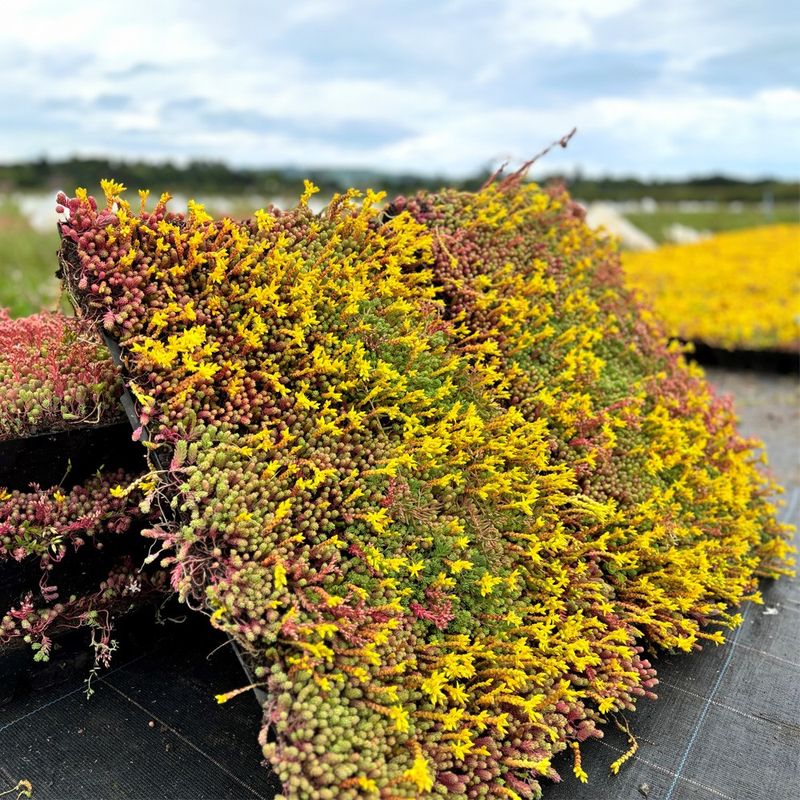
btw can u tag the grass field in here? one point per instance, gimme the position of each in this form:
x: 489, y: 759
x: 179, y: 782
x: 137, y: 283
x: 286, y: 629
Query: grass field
x: 27, y: 264
x: 655, y: 223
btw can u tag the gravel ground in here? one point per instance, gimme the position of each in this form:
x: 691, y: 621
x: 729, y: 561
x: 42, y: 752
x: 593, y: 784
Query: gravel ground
x: 769, y: 409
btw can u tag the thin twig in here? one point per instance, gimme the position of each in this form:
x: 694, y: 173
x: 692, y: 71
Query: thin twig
x: 520, y: 173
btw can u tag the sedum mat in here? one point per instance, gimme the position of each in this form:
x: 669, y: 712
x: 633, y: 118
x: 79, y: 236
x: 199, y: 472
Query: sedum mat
x: 724, y: 727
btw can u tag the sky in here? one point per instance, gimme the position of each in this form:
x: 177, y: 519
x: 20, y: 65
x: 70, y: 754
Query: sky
x: 668, y: 89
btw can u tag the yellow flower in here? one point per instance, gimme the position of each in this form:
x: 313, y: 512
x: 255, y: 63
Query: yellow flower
x: 415, y: 568
x: 143, y: 398
x: 500, y: 723
x: 282, y: 511
x: 452, y: 718
x: 487, y: 583
x: 379, y: 520
x: 207, y: 371
x: 280, y: 576
x: 400, y: 717
x: 458, y: 665
x: 198, y: 212
x: 302, y: 401
x: 461, y: 749
x: 264, y: 220
x: 420, y: 774
x: 433, y: 685
x: 367, y: 784
x: 457, y: 693
x: 512, y: 618
x: 308, y: 190
x: 577, y: 769
x: 442, y: 581
x: 111, y: 189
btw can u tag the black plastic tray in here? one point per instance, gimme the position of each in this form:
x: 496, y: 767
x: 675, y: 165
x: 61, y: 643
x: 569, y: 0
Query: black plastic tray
x: 68, y: 457
x: 78, y: 571
x: 782, y: 362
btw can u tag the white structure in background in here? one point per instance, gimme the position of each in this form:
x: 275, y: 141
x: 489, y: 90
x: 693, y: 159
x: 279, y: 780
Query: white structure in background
x: 648, y: 206
x: 38, y: 209
x: 608, y: 216
x: 683, y: 234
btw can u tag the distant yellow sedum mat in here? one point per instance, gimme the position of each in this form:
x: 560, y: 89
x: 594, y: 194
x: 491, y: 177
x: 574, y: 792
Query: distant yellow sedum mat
x: 737, y: 290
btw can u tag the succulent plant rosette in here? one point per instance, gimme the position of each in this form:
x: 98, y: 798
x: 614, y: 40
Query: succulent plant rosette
x: 431, y: 467
x: 56, y: 374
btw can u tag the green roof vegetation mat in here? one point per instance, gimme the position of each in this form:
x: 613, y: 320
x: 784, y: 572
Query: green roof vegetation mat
x: 433, y: 469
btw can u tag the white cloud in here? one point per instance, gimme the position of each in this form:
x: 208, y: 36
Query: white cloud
x: 439, y: 88
x: 523, y: 24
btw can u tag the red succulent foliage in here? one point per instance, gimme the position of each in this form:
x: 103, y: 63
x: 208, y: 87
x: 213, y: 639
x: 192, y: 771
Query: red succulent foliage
x: 54, y: 373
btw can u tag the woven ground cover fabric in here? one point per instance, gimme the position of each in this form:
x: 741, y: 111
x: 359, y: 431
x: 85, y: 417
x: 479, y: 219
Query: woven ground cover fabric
x: 151, y: 731
x: 433, y: 468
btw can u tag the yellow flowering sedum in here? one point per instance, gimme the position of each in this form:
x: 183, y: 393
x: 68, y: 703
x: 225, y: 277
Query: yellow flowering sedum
x: 433, y: 468
x: 735, y: 290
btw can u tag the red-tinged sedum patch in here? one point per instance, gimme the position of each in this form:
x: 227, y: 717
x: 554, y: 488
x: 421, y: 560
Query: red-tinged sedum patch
x: 55, y: 374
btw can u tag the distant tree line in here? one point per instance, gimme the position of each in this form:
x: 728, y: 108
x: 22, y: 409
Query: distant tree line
x: 207, y: 177
x: 713, y: 187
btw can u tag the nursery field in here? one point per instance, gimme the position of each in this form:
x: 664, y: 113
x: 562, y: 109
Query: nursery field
x: 27, y: 256
x: 715, y: 220
x: 435, y: 471
x: 738, y: 289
